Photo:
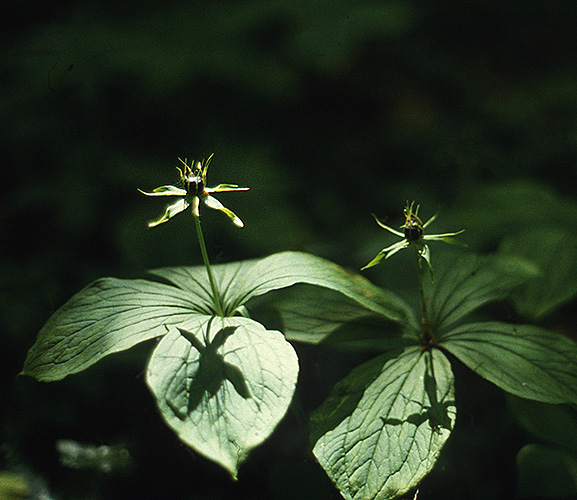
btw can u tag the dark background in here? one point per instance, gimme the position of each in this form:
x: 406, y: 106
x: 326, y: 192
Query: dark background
x: 329, y: 111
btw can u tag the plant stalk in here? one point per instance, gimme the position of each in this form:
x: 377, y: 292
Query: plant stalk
x: 427, y: 335
x: 215, y: 295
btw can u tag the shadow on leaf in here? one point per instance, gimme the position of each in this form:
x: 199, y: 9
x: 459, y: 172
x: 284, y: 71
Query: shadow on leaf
x: 436, y: 413
x: 213, y: 370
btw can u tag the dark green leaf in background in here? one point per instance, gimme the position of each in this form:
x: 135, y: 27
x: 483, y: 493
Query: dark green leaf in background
x: 555, y: 424
x: 554, y: 252
x: 547, y: 468
x: 546, y: 472
x: 494, y: 211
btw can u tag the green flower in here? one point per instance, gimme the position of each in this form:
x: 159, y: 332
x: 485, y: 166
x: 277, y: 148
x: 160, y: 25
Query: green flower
x: 413, y: 234
x: 194, y: 189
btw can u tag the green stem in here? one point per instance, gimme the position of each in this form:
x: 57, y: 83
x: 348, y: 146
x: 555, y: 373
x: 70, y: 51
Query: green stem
x: 421, y: 288
x: 215, y: 295
x: 427, y: 336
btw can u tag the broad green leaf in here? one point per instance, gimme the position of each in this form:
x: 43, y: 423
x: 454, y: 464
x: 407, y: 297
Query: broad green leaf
x: 383, y: 426
x: 285, y: 269
x: 546, y: 472
x: 108, y: 316
x: 314, y: 314
x: 525, y: 360
x: 223, y: 386
x: 554, y: 251
x: 465, y: 282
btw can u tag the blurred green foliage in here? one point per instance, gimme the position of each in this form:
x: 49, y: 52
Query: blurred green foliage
x: 327, y: 110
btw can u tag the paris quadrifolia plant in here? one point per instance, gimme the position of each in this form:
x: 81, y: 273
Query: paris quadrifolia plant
x: 382, y: 428
x: 222, y: 380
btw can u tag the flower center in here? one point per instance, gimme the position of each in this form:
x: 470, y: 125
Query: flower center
x: 194, y: 185
x: 413, y: 231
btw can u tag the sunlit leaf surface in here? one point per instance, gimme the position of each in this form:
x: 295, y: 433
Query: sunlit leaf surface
x: 546, y: 472
x: 224, y: 386
x: 108, y: 316
x: 382, y: 428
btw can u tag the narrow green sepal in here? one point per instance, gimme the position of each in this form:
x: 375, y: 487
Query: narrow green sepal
x: 385, y: 253
x: 388, y: 228
x: 165, y: 191
x: 213, y: 203
x: 380, y: 256
x: 221, y: 188
x: 170, y: 212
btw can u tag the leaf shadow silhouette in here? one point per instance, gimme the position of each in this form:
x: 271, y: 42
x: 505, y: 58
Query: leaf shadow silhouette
x: 213, y: 370
x: 436, y: 413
